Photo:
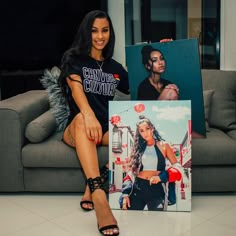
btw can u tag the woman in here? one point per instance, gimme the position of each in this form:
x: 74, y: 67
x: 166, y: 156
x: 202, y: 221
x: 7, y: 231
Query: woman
x: 89, y: 79
x: 154, y: 87
x: 146, y: 183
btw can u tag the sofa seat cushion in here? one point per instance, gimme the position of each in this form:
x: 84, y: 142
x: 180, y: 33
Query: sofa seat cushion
x: 217, y: 149
x: 53, y: 152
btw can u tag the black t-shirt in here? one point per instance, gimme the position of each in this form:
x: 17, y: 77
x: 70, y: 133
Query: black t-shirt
x: 147, y: 92
x: 99, y: 85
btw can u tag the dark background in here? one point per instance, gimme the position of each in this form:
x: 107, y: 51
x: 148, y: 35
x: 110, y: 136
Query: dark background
x: 33, y: 36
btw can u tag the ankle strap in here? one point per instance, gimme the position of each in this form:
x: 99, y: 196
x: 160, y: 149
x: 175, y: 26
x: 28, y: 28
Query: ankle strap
x: 95, y: 183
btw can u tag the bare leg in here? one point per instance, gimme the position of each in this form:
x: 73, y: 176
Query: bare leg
x: 75, y: 135
x: 87, y: 195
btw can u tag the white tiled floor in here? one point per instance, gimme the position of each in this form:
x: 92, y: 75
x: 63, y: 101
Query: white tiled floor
x: 60, y: 215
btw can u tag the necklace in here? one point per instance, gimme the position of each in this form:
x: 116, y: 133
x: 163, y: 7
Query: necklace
x: 100, y: 66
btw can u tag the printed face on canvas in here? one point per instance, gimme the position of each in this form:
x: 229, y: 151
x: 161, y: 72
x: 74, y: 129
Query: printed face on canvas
x: 145, y: 131
x: 157, y: 62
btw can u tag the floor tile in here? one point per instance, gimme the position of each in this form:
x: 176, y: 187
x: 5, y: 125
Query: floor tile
x: 78, y: 222
x: 61, y: 215
x: 226, y: 218
x: 48, y: 206
x: 14, y: 218
x: 208, y: 206
x: 209, y: 228
x: 46, y: 229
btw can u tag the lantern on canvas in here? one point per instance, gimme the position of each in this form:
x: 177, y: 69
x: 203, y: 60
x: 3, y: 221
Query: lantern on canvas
x: 115, y: 119
x: 139, y: 107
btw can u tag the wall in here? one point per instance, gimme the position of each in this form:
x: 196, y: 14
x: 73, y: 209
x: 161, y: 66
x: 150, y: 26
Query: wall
x: 116, y: 11
x: 228, y: 35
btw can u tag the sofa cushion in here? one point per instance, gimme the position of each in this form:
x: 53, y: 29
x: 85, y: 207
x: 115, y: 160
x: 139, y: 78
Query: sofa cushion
x: 223, y: 108
x: 222, y: 114
x: 54, y: 153
x: 207, y: 97
x: 41, y: 127
x: 217, y: 149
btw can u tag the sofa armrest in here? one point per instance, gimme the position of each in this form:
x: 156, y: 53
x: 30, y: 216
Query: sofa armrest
x: 15, y: 113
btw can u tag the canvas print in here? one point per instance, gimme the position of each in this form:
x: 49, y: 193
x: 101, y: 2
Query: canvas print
x: 168, y: 71
x: 150, y: 155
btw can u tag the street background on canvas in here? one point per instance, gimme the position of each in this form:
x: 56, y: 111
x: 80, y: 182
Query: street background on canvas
x: 172, y: 120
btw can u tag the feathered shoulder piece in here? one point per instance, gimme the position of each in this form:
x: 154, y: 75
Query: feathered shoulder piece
x: 57, y: 100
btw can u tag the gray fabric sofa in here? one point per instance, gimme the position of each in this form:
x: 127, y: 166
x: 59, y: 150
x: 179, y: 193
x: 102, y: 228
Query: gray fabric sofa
x: 33, y: 157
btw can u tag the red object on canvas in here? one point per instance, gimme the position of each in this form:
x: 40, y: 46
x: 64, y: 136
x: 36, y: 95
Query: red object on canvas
x: 139, y: 107
x: 115, y: 119
x: 174, y: 174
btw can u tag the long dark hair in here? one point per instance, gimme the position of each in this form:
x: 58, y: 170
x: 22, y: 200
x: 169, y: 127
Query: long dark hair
x: 146, y: 56
x: 82, y: 43
x: 83, y: 39
x: 140, y: 144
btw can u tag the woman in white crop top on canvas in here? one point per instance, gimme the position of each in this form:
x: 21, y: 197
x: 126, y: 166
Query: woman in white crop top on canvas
x: 146, y: 183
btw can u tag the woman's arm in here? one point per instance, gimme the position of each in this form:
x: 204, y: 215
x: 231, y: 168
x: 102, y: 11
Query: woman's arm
x: 167, y: 175
x: 175, y: 172
x: 169, y: 154
x: 93, y: 127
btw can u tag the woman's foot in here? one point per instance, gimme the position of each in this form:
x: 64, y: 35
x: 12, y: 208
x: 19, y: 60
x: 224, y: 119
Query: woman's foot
x: 107, y: 224
x: 86, y: 201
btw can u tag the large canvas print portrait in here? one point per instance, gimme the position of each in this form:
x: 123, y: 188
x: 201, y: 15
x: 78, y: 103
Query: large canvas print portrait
x: 150, y: 155
x: 168, y: 71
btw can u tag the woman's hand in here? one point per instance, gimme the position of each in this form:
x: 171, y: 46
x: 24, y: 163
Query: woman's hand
x: 170, y: 92
x: 172, y: 86
x: 166, y: 40
x: 126, y: 203
x: 154, y: 180
x: 93, y: 128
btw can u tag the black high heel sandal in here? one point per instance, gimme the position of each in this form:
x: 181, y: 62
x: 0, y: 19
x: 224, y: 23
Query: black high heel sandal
x: 87, y: 202
x: 82, y: 202
x: 94, y: 184
x: 104, y: 173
